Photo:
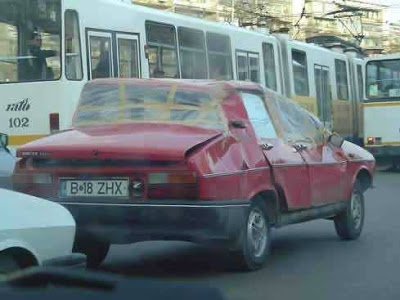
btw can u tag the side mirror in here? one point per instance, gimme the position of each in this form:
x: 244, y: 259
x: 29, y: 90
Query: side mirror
x: 4, y: 142
x: 336, y: 140
x: 237, y: 124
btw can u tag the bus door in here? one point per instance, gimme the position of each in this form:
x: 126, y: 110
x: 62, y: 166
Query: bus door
x: 100, y: 54
x: 324, y: 98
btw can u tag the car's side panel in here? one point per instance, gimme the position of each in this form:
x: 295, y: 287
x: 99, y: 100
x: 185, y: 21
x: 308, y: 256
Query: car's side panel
x: 290, y: 173
x: 358, y: 159
x: 327, y: 170
x: 354, y: 169
x: 237, y: 163
x: 240, y: 185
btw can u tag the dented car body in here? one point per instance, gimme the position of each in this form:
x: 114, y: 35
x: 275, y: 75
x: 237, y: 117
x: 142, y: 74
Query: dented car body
x: 209, y: 162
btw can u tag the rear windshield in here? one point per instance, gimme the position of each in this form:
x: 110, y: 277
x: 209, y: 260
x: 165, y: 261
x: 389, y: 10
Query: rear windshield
x: 126, y: 103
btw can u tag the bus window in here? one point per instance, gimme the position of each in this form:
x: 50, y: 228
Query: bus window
x: 219, y: 56
x: 341, y: 79
x: 192, y: 53
x: 30, y: 40
x: 254, y: 67
x: 100, y: 56
x: 269, y: 66
x: 360, y: 83
x: 73, y: 58
x: 242, y: 66
x: 300, y: 72
x: 162, y: 53
x: 128, y: 62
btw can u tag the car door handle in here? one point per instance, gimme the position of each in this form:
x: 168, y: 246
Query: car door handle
x: 299, y: 147
x: 303, y: 147
x: 267, y: 146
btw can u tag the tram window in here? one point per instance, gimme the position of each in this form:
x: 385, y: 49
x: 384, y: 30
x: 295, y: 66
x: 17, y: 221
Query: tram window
x: 100, y: 55
x: 8, y: 51
x: 300, y: 73
x: 219, y: 56
x: 162, y: 52
x: 242, y: 67
x: 269, y: 66
x: 248, y: 66
x: 192, y: 53
x: 360, y: 83
x: 128, y: 58
x: 254, y: 67
x: 73, y: 58
x: 30, y: 39
x: 341, y: 80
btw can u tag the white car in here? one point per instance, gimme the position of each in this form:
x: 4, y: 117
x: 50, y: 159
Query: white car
x: 35, y: 232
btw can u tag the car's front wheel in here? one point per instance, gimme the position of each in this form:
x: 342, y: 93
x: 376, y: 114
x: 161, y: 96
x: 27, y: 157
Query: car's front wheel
x: 349, y: 223
x: 256, y: 239
x: 95, y: 251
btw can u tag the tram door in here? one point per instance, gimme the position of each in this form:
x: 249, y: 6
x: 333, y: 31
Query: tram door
x: 324, y: 97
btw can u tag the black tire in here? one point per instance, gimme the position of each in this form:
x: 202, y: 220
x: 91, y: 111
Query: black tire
x: 8, y: 264
x: 350, y: 222
x: 249, y: 257
x: 95, y: 252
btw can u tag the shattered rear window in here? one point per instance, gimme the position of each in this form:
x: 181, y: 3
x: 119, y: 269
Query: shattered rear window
x: 113, y: 104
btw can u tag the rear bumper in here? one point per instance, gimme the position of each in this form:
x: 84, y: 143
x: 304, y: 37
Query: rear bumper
x: 212, y: 223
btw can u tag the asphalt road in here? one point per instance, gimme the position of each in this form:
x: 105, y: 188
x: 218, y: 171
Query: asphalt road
x: 308, y: 261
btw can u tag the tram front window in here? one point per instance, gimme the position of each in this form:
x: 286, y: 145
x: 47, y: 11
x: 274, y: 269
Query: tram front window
x: 30, y: 39
x: 383, y: 79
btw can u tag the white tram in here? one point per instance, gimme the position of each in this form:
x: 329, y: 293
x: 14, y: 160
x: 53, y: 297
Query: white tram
x: 50, y: 48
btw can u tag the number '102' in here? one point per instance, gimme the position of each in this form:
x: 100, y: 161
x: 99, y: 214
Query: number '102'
x: 18, y: 122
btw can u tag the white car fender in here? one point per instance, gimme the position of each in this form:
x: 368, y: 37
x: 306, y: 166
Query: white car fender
x: 44, y: 228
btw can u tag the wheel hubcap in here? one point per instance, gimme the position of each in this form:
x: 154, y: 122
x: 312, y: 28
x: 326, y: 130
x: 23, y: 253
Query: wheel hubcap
x: 257, y: 233
x: 356, y: 210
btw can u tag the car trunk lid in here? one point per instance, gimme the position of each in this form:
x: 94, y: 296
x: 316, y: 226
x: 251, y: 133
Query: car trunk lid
x: 146, y: 142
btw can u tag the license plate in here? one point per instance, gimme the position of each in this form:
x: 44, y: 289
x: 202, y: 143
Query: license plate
x: 94, y: 188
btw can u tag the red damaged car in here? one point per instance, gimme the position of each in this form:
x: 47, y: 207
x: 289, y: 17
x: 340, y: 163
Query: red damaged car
x: 219, y: 163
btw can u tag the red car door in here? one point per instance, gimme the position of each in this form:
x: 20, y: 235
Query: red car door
x: 288, y: 167
x: 327, y: 171
x: 290, y: 172
x: 326, y: 164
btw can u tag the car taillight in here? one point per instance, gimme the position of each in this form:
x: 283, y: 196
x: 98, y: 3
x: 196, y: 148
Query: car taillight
x: 35, y: 178
x: 42, y: 178
x: 174, y: 178
x: 54, y: 122
x: 178, y: 185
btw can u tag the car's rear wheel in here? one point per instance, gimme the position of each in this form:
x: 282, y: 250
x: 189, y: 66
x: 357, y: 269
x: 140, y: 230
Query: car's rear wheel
x: 349, y: 223
x: 256, y: 239
x: 95, y: 251
x: 8, y: 264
